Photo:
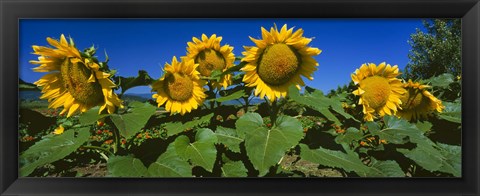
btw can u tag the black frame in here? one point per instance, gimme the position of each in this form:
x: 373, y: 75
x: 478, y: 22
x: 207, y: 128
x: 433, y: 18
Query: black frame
x: 12, y: 10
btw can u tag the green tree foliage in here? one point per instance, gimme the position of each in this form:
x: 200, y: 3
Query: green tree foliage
x: 436, y: 51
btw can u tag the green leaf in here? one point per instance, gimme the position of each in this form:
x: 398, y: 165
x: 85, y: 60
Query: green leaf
x: 169, y: 164
x: 317, y: 101
x: 424, y: 126
x: 234, y: 68
x: 91, y: 116
x: 134, y: 120
x: 453, y: 159
x: 175, y: 128
x: 126, y: 166
x: 397, y: 130
x: 442, y: 81
x: 452, y: 112
x: 202, y: 152
x: 387, y: 168
x: 331, y: 158
x: 350, y: 135
x: 229, y: 138
x: 425, y: 155
x: 232, y: 96
x: 265, y: 147
x: 233, y: 169
x: 441, y: 157
x: 143, y: 79
x: 51, y: 149
x: 249, y: 121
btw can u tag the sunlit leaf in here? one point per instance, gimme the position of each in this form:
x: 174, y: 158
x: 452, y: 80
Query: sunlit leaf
x: 134, y: 120
x: 202, y: 152
x: 396, y: 130
x: 174, y: 128
x: 453, y: 159
x: 91, y: 116
x: 232, y: 96
x: 143, y: 79
x: 52, y: 148
x: 452, y: 112
x: 126, y: 166
x: 387, y: 168
x: 331, y: 158
x: 229, y: 138
x: 317, y: 101
x: 169, y: 164
x: 350, y: 135
x: 442, y: 81
x: 265, y: 147
x: 233, y: 168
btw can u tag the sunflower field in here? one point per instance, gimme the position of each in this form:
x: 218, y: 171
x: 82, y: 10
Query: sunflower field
x: 381, y: 124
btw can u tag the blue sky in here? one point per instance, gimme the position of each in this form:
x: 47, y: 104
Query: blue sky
x: 134, y: 44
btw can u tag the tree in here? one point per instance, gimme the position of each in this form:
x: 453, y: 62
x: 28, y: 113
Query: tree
x: 436, y: 51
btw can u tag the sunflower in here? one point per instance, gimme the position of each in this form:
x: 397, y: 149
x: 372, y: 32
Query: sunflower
x: 73, y: 81
x: 180, y: 87
x: 417, y: 102
x: 379, y: 89
x: 277, y: 61
x: 211, y: 56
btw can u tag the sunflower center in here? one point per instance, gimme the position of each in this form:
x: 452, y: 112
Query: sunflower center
x: 75, y: 80
x: 278, y: 64
x: 208, y: 61
x: 413, y: 99
x: 377, y: 90
x: 178, y: 87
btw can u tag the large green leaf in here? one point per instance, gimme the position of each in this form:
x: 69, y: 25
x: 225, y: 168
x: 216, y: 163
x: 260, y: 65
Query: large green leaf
x: 169, y: 164
x: 425, y: 155
x: 229, y: 138
x: 134, y: 120
x: 52, y: 148
x: 442, y: 81
x: 452, y: 112
x: 175, y: 128
x: 453, y: 159
x: 387, y: 168
x: 396, y: 130
x: 331, y: 158
x: 202, y: 152
x: 317, y: 101
x: 265, y: 147
x: 233, y: 96
x: 233, y: 168
x: 143, y: 79
x: 91, y: 116
x: 350, y: 135
x: 126, y: 166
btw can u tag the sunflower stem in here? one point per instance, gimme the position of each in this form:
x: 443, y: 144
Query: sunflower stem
x: 211, y: 91
x: 116, y: 134
x: 245, y: 107
x: 273, y: 111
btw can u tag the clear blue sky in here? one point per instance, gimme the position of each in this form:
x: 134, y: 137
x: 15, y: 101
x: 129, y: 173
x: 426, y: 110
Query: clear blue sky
x: 134, y: 44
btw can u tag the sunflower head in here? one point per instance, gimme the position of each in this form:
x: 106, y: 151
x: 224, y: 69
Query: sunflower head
x: 180, y: 87
x: 277, y: 62
x: 417, y: 102
x: 211, y: 56
x: 379, y: 89
x: 75, y: 82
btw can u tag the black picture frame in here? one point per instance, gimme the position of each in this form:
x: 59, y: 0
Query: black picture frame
x: 13, y: 10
